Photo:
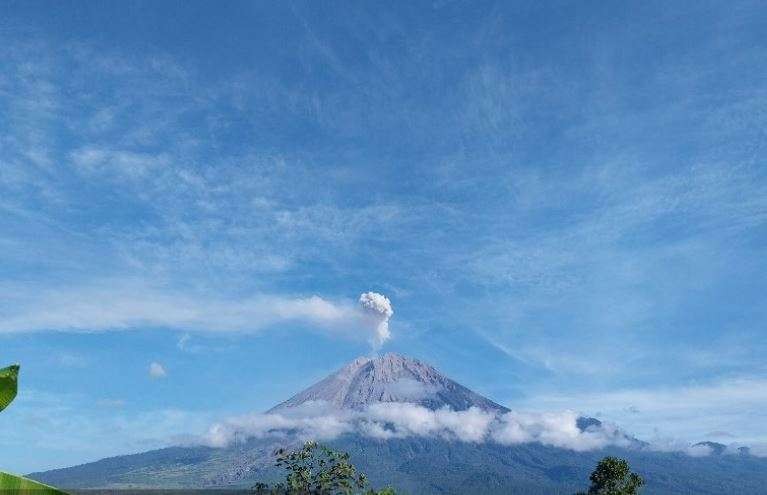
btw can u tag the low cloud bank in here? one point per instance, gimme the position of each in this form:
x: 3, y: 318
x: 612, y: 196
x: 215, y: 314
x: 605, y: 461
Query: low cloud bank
x: 709, y: 448
x: 402, y: 420
x: 319, y: 421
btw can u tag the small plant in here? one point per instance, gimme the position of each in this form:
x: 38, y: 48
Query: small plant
x: 318, y: 470
x: 11, y: 484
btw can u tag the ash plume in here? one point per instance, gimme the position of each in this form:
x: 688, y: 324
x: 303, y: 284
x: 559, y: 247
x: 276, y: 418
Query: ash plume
x: 377, y: 310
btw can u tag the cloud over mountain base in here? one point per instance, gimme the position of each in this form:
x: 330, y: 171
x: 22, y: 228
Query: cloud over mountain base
x: 315, y: 420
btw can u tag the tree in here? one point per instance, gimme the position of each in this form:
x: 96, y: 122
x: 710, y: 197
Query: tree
x: 318, y: 470
x: 613, y: 476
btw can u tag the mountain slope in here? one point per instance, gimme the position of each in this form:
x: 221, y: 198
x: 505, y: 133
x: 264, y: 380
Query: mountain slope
x: 421, y: 465
x: 424, y: 466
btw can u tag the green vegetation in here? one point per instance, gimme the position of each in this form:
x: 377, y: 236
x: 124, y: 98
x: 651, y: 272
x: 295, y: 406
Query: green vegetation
x: 318, y: 470
x: 613, y: 476
x: 17, y: 485
x: 9, y: 483
x: 424, y: 465
x: 9, y: 384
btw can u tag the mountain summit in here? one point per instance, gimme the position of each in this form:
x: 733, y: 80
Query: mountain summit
x: 389, y: 378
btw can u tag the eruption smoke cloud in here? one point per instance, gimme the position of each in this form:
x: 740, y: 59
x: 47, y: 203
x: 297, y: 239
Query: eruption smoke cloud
x: 377, y: 310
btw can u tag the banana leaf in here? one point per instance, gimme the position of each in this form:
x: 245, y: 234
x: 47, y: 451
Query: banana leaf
x: 9, y: 381
x: 11, y: 484
x: 17, y: 485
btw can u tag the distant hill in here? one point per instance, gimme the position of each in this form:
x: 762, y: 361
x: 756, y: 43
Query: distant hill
x: 418, y: 464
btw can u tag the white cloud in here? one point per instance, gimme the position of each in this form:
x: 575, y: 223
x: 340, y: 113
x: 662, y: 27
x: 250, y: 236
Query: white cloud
x: 699, y: 450
x: 676, y: 416
x: 558, y: 429
x: 115, y: 305
x: 156, y: 370
x: 401, y: 420
x: 319, y: 421
x: 388, y: 420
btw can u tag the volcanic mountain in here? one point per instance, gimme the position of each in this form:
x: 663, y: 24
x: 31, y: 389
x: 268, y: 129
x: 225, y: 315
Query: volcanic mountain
x: 416, y: 464
x: 390, y: 378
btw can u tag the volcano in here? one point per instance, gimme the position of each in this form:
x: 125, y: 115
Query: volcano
x: 390, y: 378
x: 415, y: 464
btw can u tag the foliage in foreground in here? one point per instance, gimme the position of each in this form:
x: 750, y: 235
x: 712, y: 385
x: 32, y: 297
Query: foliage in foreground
x: 613, y: 476
x: 9, y: 384
x: 17, y: 485
x: 11, y: 484
x: 318, y: 470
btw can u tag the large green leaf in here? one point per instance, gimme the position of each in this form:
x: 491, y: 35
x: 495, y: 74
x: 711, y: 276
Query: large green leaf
x: 11, y: 484
x: 16, y: 485
x: 9, y: 382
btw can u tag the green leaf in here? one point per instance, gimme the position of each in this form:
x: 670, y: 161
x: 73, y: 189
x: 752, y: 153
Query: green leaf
x: 16, y: 485
x: 9, y: 381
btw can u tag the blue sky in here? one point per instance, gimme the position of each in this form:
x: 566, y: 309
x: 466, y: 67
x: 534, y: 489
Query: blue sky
x: 565, y: 203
